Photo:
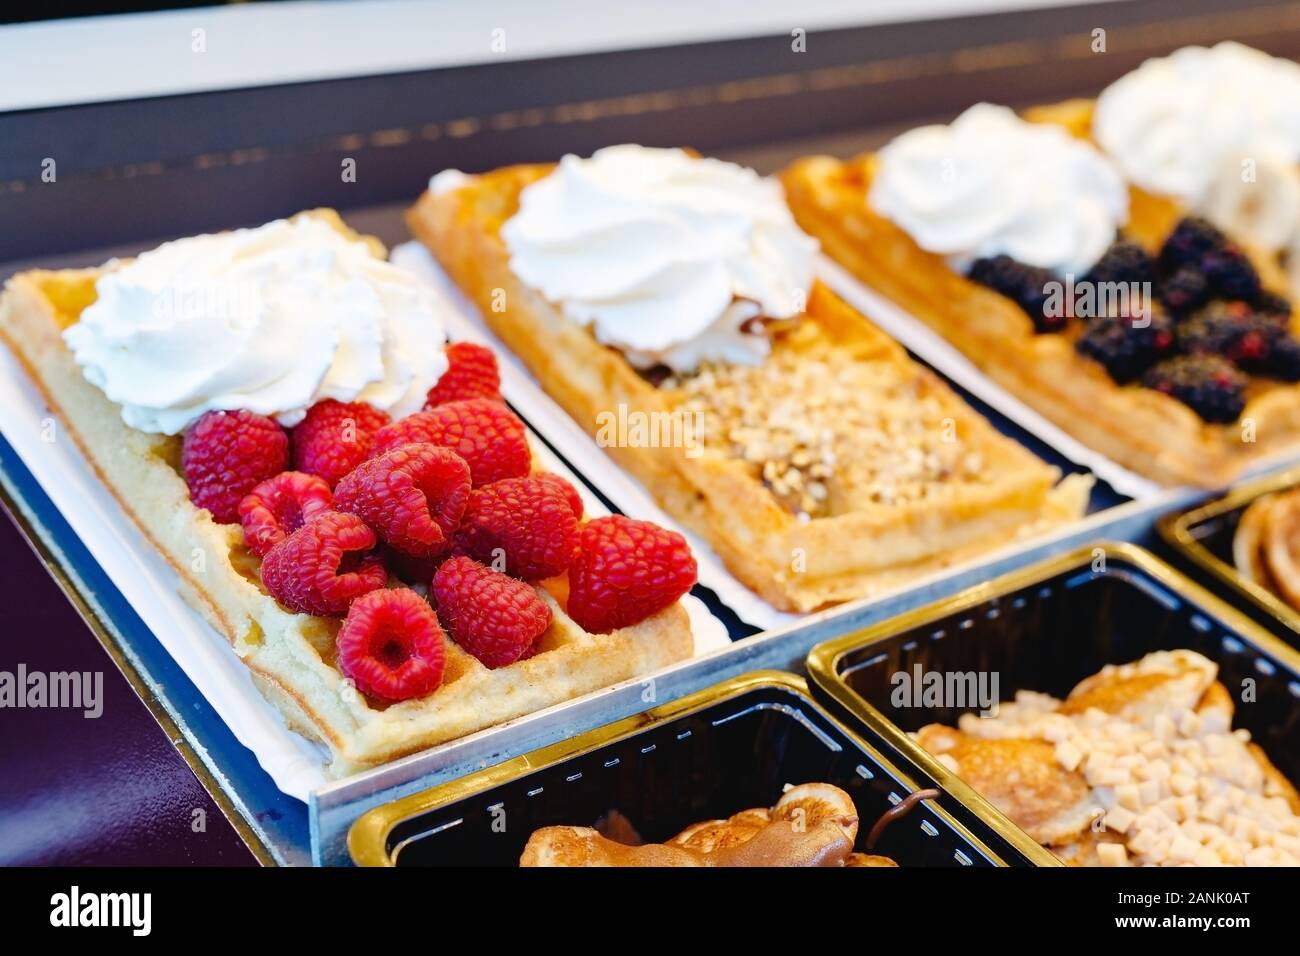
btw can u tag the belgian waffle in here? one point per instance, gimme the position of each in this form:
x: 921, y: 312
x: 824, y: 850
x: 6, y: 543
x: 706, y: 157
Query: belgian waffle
x: 1140, y: 428
x: 1138, y: 764
x: 292, y: 656
x: 814, y: 824
x: 918, y: 479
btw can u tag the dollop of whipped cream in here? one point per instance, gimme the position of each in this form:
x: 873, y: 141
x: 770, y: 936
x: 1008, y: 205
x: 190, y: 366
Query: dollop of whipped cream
x: 1217, y: 129
x: 990, y: 183
x: 665, y: 256
x: 269, y: 320
x: 1171, y: 123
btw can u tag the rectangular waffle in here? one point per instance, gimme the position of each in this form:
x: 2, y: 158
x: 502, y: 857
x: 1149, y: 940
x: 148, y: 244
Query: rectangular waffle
x: 1089, y: 774
x: 292, y: 656
x: 886, y: 512
x: 1141, y: 429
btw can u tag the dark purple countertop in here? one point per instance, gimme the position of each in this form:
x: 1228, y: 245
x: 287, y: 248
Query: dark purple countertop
x: 77, y: 790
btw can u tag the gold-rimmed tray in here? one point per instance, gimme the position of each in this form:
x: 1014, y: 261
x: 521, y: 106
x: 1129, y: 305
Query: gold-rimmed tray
x: 1204, y: 535
x: 1045, y: 627
x: 728, y: 747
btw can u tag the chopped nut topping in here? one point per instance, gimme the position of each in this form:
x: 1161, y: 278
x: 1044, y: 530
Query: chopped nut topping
x: 830, y: 433
x: 1177, y: 786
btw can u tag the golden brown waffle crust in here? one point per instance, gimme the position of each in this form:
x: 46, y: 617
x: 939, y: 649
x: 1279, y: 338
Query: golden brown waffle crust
x: 1142, y: 429
x: 291, y: 655
x: 843, y: 557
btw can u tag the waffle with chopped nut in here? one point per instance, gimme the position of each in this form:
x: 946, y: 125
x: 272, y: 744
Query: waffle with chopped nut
x: 292, y: 656
x: 1138, y: 765
x: 834, y: 469
x: 1141, y: 428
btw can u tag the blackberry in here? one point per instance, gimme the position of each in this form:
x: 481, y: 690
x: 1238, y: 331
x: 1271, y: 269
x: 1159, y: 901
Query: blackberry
x: 1230, y: 273
x: 1184, y: 291
x: 1126, y: 349
x: 1284, y: 360
x: 1207, y: 384
x: 1123, y: 262
x: 1270, y: 303
x: 1187, y: 245
x: 1229, y: 329
x: 1025, y: 285
x: 1253, y: 341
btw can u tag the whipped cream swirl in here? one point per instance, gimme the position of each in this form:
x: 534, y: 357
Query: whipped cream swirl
x: 269, y: 320
x: 667, y: 257
x: 1217, y: 129
x: 990, y: 183
x: 1172, y: 122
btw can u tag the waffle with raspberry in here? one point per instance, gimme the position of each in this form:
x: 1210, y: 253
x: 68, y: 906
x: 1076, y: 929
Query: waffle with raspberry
x: 1121, y: 388
x: 909, y: 480
x: 334, y: 638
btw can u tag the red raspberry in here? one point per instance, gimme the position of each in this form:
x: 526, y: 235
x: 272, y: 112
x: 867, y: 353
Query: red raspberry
x: 391, y: 645
x: 489, y: 436
x: 522, y: 526
x: 225, y: 454
x: 625, y: 571
x: 494, y: 617
x: 280, y: 506
x: 324, y: 566
x: 413, y: 496
x: 335, y: 437
x: 565, y: 488
x: 472, y: 373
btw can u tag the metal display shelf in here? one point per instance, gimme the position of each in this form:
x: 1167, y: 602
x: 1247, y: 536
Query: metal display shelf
x: 153, y: 169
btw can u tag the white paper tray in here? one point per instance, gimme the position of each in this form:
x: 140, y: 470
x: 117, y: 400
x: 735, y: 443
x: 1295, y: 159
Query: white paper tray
x: 149, y: 584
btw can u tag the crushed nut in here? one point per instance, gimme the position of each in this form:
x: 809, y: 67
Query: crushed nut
x: 830, y: 432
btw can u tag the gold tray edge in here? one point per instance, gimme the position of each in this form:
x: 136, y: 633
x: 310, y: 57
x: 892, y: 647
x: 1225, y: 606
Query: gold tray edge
x: 1175, y: 530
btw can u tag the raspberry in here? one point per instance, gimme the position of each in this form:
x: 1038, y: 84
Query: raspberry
x: 489, y: 436
x: 324, y: 566
x: 391, y: 645
x: 471, y: 373
x: 493, y: 617
x: 1208, y: 384
x: 565, y: 488
x: 525, y: 521
x: 413, y: 496
x: 225, y: 454
x: 625, y: 571
x: 335, y: 437
x: 280, y: 506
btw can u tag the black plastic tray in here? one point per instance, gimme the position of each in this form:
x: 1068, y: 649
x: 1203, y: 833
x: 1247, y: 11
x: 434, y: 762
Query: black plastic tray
x: 707, y: 756
x: 1047, y: 627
